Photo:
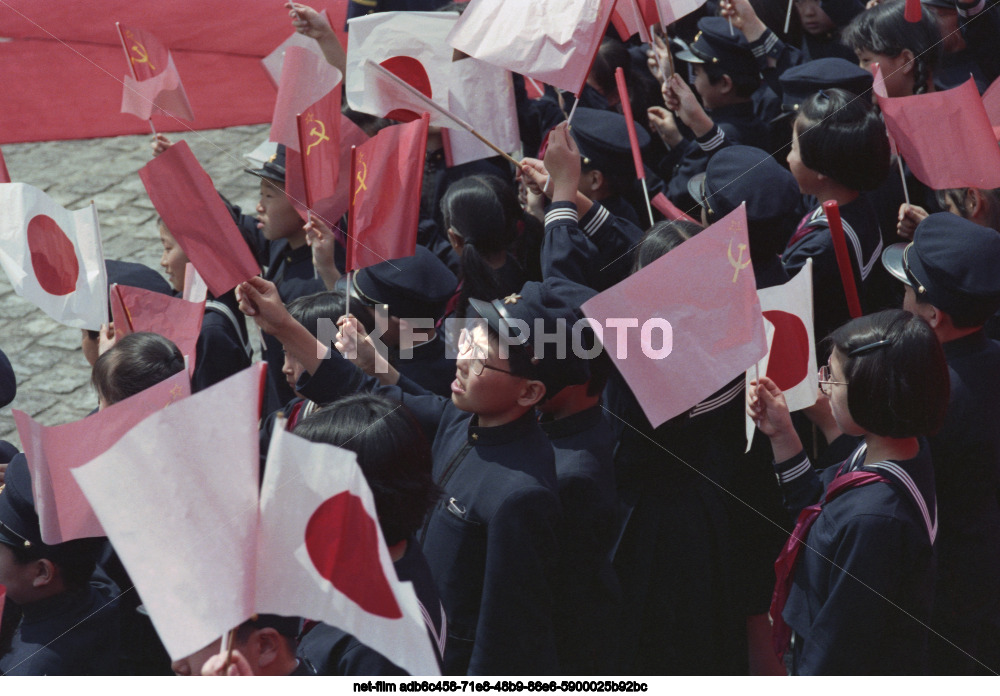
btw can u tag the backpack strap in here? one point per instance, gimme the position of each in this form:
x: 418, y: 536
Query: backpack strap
x: 220, y: 308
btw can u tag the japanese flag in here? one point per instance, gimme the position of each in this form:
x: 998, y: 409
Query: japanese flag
x: 53, y: 256
x: 412, y: 46
x: 792, y: 358
x: 321, y: 555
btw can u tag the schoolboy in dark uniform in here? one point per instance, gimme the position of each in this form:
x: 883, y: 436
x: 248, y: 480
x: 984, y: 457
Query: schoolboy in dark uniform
x: 608, y: 171
x: 725, y: 76
x: 416, y: 289
x: 950, y: 277
x: 69, y: 624
x: 278, y: 241
x: 491, y: 543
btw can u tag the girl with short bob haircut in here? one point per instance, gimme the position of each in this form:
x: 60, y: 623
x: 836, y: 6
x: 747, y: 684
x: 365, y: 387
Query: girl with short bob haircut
x: 907, y: 52
x: 840, y: 152
x: 856, y: 580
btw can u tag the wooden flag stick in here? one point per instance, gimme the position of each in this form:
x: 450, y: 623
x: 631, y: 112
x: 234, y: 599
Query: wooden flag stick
x: 788, y: 14
x: 843, y: 257
x: 131, y: 68
x: 435, y: 107
x: 649, y: 207
x: 227, y: 648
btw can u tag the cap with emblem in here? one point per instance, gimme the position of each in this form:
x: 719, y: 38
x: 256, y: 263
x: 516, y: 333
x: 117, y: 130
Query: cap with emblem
x: 952, y: 264
x: 803, y: 81
x: 274, y: 168
x: 414, y: 287
x: 19, y: 525
x: 538, y: 321
x: 602, y: 137
x: 717, y: 44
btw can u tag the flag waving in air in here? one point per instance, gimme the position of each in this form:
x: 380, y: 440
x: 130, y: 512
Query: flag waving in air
x: 685, y: 325
x: 154, y: 85
x: 137, y: 309
x: 321, y: 554
x: 386, y: 174
x: 53, y: 256
x: 553, y: 41
x: 792, y: 362
x: 963, y: 154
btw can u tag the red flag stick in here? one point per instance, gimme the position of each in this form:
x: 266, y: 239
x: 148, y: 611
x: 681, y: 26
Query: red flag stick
x: 912, y: 11
x: 131, y: 68
x: 843, y: 259
x: 633, y: 139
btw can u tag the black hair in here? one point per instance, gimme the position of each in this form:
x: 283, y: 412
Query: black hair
x: 393, y: 452
x: 956, y: 197
x: 75, y: 559
x: 611, y: 55
x: 661, y: 238
x: 883, y: 29
x: 898, y: 384
x: 484, y: 211
x: 135, y: 363
x: 329, y: 304
x: 842, y: 136
x: 744, y: 84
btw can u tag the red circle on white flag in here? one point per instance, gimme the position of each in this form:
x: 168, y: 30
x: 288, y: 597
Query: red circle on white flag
x: 789, y: 361
x: 412, y: 72
x: 53, y: 256
x: 342, y: 542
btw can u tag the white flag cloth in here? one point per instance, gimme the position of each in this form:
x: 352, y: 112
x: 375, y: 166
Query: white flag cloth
x: 552, y: 41
x: 53, y: 256
x: 792, y: 361
x: 754, y: 374
x: 177, y: 496
x: 411, y: 45
x: 483, y: 95
x: 273, y: 61
x: 321, y: 555
x: 672, y: 10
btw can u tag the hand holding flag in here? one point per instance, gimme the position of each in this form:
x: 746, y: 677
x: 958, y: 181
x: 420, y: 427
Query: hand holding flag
x: 154, y: 86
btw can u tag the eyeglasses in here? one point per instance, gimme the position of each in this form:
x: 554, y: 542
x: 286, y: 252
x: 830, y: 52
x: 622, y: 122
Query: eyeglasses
x: 825, y: 381
x: 477, y: 363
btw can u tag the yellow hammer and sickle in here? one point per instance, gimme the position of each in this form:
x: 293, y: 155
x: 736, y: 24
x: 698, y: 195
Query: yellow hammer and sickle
x: 320, y: 136
x: 362, y: 175
x: 737, y: 262
x: 140, y: 51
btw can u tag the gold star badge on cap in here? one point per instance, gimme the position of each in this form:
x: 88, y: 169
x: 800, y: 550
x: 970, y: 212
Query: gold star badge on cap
x: 511, y: 299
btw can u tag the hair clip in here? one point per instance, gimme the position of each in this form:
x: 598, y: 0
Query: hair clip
x: 822, y: 93
x: 861, y: 350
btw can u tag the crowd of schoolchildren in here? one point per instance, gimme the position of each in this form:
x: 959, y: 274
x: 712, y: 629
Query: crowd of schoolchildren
x: 547, y: 527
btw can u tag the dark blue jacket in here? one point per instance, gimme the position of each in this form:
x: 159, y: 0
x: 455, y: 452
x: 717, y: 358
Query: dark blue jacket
x: 864, y: 580
x: 491, y: 542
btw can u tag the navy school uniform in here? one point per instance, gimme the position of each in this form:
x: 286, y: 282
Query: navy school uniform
x: 335, y: 652
x: 864, y: 245
x: 864, y: 581
x: 966, y: 453
x: 589, y: 597
x: 73, y: 633
x: 428, y: 365
x: 292, y: 271
x: 491, y: 542
x: 595, y: 252
x: 223, y: 346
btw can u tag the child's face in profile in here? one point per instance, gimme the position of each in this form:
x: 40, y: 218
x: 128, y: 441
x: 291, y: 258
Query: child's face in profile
x: 804, y: 176
x: 493, y: 394
x: 174, y: 260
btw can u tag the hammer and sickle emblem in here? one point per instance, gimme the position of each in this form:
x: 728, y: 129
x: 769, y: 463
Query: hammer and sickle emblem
x: 140, y: 51
x: 175, y: 393
x: 320, y: 134
x: 362, y: 175
x: 737, y: 263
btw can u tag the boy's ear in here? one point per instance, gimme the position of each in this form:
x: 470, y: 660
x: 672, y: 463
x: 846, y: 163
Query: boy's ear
x: 46, y: 572
x: 726, y: 84
x: 533, y: 392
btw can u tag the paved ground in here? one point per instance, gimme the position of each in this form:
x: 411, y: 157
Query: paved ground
x: 53, y: 378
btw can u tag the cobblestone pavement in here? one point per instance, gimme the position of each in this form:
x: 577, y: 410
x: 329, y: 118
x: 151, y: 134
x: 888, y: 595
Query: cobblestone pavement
x: 53, y: 378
